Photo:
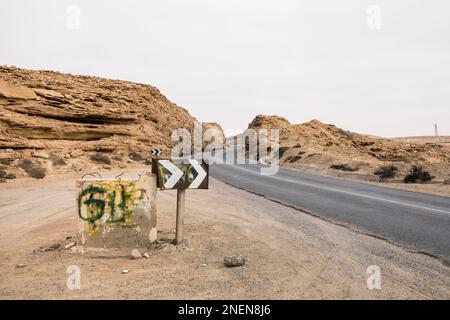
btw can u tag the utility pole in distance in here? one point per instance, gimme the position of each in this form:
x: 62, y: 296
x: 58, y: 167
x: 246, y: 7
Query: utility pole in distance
x: 435, y: 130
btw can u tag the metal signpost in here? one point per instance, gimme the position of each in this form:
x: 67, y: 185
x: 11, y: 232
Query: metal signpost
x: 189, y: 174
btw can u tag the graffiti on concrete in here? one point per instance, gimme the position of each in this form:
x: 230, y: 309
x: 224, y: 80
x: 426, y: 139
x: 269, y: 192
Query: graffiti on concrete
x: 105, y: 204
x: 117, y: 199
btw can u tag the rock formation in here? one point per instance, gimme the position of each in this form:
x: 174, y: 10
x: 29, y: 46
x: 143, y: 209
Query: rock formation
x: 73, y: 117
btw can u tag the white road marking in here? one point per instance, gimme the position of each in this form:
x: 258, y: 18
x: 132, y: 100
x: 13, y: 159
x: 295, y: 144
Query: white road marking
x: 346, y: 192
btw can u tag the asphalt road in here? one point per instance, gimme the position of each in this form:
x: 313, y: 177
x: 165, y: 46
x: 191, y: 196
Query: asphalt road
x: 409, y: 218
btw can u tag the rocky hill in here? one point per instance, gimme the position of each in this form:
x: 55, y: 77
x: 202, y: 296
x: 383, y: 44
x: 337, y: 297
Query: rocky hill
x: 324, y: 145
x: 55, y: 120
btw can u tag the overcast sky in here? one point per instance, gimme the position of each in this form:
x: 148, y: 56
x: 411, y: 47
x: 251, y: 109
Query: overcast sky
x: 338, y: 61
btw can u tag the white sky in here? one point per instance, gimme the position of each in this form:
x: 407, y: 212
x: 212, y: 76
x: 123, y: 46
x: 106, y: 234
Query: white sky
x: 230, y: 60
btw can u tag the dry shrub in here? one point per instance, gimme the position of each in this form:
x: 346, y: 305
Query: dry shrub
x: 100, y: 158
x: 386, y: 172
x: 343, y: 167
x: 417, y: 173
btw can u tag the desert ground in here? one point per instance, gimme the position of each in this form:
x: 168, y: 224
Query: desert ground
x: 290, y: 254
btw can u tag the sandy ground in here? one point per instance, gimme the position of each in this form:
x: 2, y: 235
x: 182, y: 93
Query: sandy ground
x: 291, y: 255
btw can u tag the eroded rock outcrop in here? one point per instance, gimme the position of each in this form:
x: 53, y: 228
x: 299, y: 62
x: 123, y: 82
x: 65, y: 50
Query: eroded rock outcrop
x: 60, y: 113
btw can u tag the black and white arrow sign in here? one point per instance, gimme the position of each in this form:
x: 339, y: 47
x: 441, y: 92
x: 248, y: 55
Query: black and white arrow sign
x: 201, y: 174
x: 187, y: 175
x: 174, y: 174
x: 155, y: 152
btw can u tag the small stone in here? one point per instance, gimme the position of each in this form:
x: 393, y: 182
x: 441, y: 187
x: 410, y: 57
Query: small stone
x: 76, y: 153
x: 125, y: 271
x: 234, y: 261
x: 40, y: 154
x: 50, y: 248
x: 20, y: 266
x: 2, y: 180
x: 107, y: 167
x: 3, y: 174
x: 203, y: 264
x: 146, y: 255
x: 447, y: 181
x: 135, y: 254
x: 70, y: 245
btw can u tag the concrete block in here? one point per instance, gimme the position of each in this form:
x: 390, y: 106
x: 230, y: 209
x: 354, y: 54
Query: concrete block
x: 117, y: 212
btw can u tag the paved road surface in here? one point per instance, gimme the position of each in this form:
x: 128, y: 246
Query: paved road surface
x: 411, y: 218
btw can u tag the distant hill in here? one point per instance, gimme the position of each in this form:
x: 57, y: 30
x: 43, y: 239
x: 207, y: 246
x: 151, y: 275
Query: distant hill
x: 443, y: 140
x: 322, y: 145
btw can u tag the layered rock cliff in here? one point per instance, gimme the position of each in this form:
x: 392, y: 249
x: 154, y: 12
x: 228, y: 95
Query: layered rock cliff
x: 46, y: 114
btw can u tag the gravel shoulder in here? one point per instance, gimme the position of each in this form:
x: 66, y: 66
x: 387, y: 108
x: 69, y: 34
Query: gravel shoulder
x: 290, y: 254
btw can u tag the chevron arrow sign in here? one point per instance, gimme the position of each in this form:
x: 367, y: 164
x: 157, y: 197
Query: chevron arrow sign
x: 190, y: 174
x: 155, y: 152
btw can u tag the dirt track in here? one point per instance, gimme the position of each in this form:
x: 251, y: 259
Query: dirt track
x: 291, y: 255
